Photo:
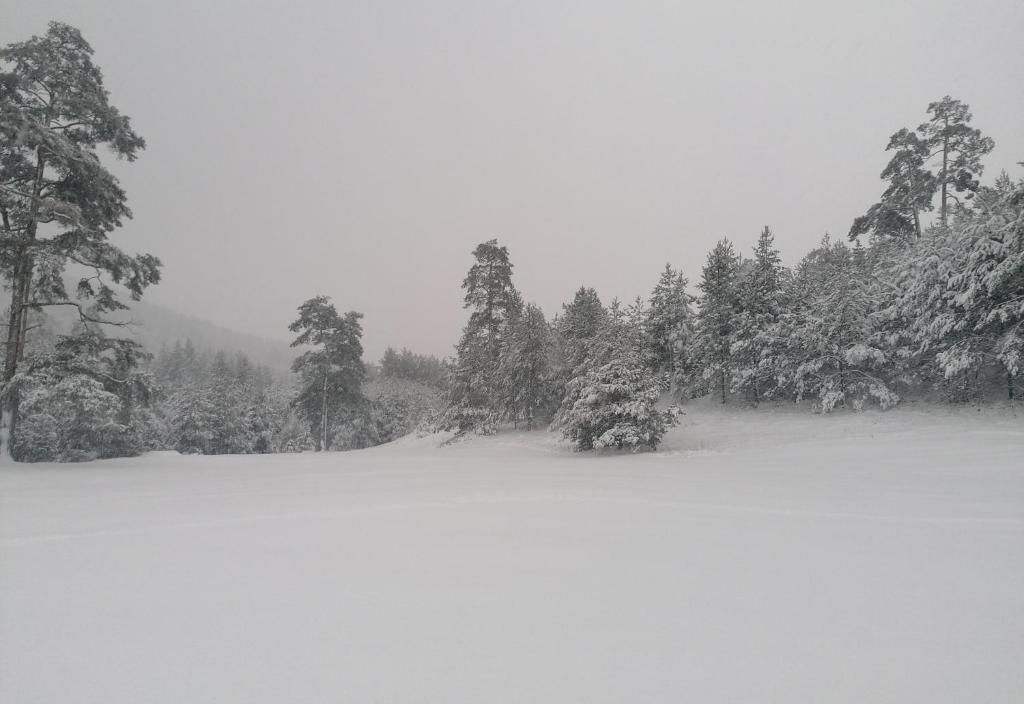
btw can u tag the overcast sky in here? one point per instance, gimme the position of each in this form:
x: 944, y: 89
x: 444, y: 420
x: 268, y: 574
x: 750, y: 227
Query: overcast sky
x: 362, y: 149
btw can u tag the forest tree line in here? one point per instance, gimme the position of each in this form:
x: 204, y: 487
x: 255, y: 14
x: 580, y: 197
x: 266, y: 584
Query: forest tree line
x: 927, y: 301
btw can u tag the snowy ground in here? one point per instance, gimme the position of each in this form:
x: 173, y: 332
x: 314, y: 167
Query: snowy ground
x: 761, y: 557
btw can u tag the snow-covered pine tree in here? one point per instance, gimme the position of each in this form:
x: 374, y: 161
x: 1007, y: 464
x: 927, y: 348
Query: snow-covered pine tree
x: 959, y: 302
x: 716, y: 319
x: 670, y: 322
x: 424, y: 369
x: 230, y: 398
x: 85, y: 397
x: 958, y: 149
x: 831, y: 346
x: 527, y: 369
x: 908, y: 194
x: 193, y: 421
x: 59, y: 204
x: 755, y: 345
x: 331, y: 372
x: 580, y: 322
x: 473, y: 401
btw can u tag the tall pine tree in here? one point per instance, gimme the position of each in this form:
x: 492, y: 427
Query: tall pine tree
x: 331, y: 373
x: 716, y: 321
x: 474, y: 397
x: 58, y: 203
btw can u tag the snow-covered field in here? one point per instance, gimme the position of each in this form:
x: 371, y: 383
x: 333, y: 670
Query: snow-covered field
x: 761, y: 557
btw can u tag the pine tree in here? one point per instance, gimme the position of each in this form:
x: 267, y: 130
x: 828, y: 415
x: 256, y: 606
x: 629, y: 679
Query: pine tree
x: 716, y: 320
x: 832, y: 346
x: 332, y: 372
x: 911, y: 187
x: 755, y: 346
x: 89, y: 390
x: 473, y: 401
x: 580, y: 322
x: 959, y: 301
x: 611, y: 398
x: 526, y: 369
x: 670, y: 324
x: 58, y: 203
x: 958, y: 147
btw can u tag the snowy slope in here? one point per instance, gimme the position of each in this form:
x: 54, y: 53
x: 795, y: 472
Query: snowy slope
x: 762, y: 557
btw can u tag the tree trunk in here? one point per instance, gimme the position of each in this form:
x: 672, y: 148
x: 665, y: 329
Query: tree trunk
x: 945, y: 166
x: 21, y: 284
x: 323, y: 417
x: 842, y: 382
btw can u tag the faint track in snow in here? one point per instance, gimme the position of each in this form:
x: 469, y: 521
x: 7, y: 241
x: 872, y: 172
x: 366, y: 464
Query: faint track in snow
x: 495, y: 499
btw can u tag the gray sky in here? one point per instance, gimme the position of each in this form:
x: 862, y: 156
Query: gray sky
x: 362, y: 149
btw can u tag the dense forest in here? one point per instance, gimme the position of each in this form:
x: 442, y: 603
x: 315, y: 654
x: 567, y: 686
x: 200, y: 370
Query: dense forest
x: 922, y: 299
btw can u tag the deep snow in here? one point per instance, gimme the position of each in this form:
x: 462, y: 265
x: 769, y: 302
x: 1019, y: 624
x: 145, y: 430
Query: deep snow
x: 760, y: 557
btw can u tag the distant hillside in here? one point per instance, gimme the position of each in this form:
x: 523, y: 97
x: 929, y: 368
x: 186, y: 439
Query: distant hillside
x: 158, y: 326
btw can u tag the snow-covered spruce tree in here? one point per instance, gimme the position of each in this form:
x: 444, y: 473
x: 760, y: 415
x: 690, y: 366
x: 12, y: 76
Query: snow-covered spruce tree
x: 331, y: 372
x: 473, y: 400
x: 526, y: 369
x: 831, y: 349
x: 58, y: 203
x: 716, y: 320
x: 670, y: 322
x: 755, y: 346
x: 959, y: 305
x: 611, y: 399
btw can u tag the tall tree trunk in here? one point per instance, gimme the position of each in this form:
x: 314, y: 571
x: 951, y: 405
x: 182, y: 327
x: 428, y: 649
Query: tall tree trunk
x: 21, y: 285
x: 323, y: 416
x: 945, y: 166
